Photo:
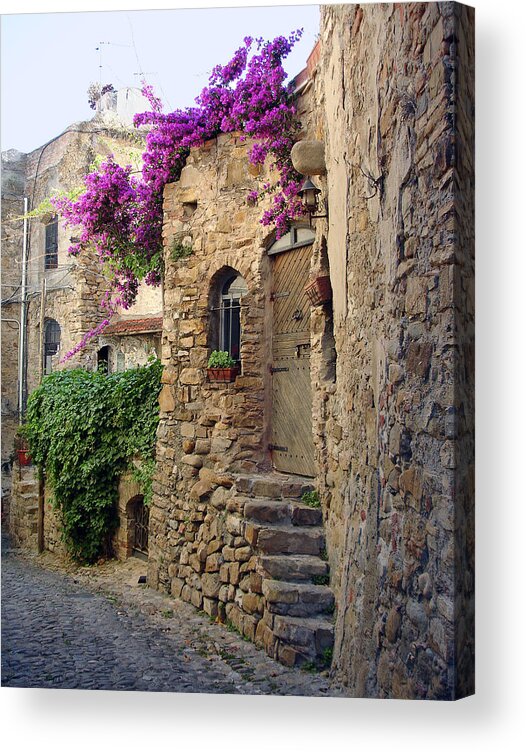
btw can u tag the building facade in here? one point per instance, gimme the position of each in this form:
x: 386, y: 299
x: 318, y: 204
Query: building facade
x: 363, y: 394
x: 319, y: 497
x: 52, y: 298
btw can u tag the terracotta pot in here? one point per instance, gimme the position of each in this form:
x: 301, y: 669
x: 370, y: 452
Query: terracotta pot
x: 319, y: 290
x: 223, y: 375
x: 24, y: 458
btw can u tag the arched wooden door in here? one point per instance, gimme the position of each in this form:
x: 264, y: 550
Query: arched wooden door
x: 292, y: 444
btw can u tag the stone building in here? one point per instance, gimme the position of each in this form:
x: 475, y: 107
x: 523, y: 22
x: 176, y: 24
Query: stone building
x: 320, y: 497
x: 59, y: 301
x: 364, y: 395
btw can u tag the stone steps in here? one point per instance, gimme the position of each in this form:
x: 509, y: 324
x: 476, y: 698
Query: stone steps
x: 297, y: 598
x: 300, y: 568
x: 286, y: 539
x: 296, y: 624
x: 309, y: 637
x: 272, y: 486
x: 279, y: 511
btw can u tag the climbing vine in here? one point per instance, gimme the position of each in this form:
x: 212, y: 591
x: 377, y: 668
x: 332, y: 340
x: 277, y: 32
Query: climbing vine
x: 120, y: 213
x: 84, y: 430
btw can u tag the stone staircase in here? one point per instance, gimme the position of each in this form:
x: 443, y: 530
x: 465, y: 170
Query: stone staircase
x: 296, y: 625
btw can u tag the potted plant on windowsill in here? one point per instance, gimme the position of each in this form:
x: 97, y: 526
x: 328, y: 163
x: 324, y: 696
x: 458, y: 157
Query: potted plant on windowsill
x: 222, y: 367
x: 22, y: 448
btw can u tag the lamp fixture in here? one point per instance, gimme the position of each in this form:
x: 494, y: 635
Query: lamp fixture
x: 309, y: 194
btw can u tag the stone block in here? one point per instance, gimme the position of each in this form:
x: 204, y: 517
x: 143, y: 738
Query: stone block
x: 190, y: 376
x: 176, y: 587
x: 251, y: 534
x: 211, y: 584
x: 166, y: 399
x: 210, y: 607
x: 249, y: 626
x: 392, y: 625
x: 234, y: 572
x: 308, y: 157
x: 416, y: 296
x: 192, y: 460
x: 196, y: 599
x: 213, y: 563
x: 418, y: 358
x: 243, y: 553
x: 252, y: 603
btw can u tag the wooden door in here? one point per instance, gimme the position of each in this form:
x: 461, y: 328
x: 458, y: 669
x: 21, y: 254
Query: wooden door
x: 291, y: 436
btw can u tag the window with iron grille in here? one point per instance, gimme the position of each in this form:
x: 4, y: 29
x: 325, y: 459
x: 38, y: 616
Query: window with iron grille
x: 51, y: 254
x: 229, y: 315
x: 51, y: 343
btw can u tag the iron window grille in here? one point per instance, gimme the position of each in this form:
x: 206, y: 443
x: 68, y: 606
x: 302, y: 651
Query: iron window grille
x: 229, y: 316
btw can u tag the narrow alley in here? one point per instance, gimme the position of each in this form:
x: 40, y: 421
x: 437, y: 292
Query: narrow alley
x: 98, y: 628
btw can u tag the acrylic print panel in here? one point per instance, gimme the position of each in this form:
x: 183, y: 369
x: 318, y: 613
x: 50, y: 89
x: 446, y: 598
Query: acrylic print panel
x: 303, y: 523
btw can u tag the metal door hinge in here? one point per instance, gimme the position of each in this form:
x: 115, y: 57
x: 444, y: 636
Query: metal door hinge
x: 277, y: 370
x: 278, y: 448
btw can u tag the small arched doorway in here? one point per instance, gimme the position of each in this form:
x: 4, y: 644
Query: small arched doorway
x: 138, y: 518
x: 103, y: 359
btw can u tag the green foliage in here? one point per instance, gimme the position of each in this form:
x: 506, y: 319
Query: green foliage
x: 311, y: 499
x: 46, y: 209
x: 179, y: 249
x: 220, y: 359
x: 84, y: 429
x: 327, y: 656
x: 142, y: 473
x: 321, y: 579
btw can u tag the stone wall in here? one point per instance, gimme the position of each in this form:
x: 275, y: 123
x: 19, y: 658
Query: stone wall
x: 13, y: 176
x: 23, y: 519
x: 396, y: 83
x: 220, y: 519
x: 52, y: 528
x: 391, y: 366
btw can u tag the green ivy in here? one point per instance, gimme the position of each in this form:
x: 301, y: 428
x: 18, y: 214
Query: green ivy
x: 85, y: 429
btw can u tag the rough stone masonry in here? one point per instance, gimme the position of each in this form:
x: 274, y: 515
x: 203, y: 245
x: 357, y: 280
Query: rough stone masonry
x: 389, y: 91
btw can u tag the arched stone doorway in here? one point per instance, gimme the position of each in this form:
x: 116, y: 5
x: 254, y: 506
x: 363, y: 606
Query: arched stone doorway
x: 137, y: 518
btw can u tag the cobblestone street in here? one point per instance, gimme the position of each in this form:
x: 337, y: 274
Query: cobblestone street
x: 97, y: 628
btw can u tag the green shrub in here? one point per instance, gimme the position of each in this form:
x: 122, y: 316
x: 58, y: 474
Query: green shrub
x: 84, y: 429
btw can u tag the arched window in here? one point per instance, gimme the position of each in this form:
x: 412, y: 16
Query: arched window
x: 51, y: 343
x: 233, y: 289
x: 296, y: 237
x: 51, y: 252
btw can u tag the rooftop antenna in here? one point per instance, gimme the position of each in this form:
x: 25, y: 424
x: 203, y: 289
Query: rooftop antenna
x: 99, y: 50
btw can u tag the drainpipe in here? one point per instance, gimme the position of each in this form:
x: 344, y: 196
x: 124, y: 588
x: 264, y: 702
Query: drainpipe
x: 23, y: 323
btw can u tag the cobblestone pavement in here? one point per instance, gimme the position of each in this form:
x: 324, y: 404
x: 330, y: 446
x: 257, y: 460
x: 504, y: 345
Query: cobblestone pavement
x: 96, y: 628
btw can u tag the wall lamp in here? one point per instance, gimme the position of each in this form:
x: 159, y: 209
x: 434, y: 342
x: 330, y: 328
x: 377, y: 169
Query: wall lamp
x: 309, y: 195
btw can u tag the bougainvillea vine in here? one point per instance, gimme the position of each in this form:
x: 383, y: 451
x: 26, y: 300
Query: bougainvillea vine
x: 120, y: 213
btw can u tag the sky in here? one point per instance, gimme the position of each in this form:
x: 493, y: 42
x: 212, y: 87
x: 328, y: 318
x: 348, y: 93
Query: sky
x: 50, y: 59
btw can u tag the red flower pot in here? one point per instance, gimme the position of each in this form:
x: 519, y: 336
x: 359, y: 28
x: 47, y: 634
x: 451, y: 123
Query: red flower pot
x: 319, y: 291
x: 223, y: 375
x: 24, y: 458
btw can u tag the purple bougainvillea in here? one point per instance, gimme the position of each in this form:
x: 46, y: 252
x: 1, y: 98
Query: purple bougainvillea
x: 120, y: 214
